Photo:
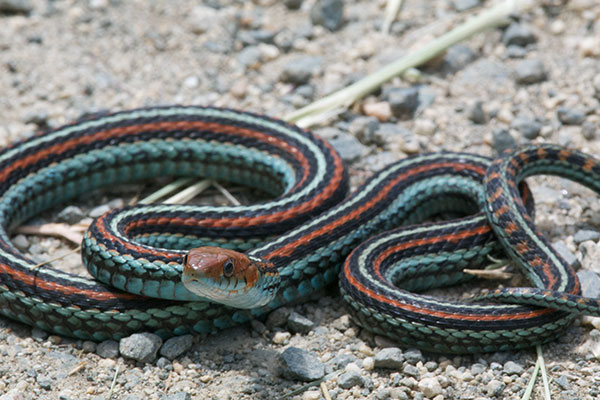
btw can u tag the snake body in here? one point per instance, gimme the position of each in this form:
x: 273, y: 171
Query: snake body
x: 303, y: 236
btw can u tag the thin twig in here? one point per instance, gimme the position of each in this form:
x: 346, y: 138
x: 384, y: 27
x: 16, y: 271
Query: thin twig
x: 313, y: 383
x: 76, y: 250
x: 71, y: 233
x: 538, y: 349
x: 166, y: 190
x: 189, y: 193
x: 392, y: 8
x: 487, y: 19
x: 492, y: 274
x: 529, y: 389
x: 227, y: 194
x: 324, y: 390
x: 114, y: 381
x: 78, y: 368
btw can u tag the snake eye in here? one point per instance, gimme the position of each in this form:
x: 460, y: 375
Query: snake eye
x: 228, y: 268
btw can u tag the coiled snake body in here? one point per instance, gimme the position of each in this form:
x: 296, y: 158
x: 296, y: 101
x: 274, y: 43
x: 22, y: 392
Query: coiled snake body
x: 294, y: 245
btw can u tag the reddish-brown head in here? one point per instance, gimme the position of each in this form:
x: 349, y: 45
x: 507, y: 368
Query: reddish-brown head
x: 228, y: 277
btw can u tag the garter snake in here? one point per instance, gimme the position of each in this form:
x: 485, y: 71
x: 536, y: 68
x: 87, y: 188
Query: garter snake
x: 283, y: 250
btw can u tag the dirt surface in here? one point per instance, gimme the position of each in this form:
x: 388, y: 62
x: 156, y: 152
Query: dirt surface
x: 63, y: 59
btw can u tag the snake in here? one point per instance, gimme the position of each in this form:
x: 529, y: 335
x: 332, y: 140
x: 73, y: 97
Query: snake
x: 174, y: 269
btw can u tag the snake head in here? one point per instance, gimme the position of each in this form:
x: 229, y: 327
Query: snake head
x: 230, y: 277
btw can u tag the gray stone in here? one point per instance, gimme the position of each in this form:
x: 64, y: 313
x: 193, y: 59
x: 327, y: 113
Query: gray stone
x: 44, y: 382
x: 383, y: 393
x: 570, y: 116
x: 410, y: 370
x: 99, y: 211
x: 176, y: 346
x: 278, y: 318
x: 527, y: 127
x: 20, y: 242
x: 349, y: 147
x: 495, y: 388
x: 387, y: 132
x: 563, y: 382
x: 513, y: 368
x: 586, y: 234
x: 566, y: 254
x: 530, y: 71
x: 39, y: 334
x: 178, y: 396
x: 518, y: 34
x: 15, y: 6
x: 71, y: 215
x: 293, y: 4
x: 306, y: 91
x: 299, y: 70
x: 164, y: 363
x: 476, y: 113
x: 258, y: 326
x: 89, y: 347
x: 328, y: 13
x: 590, y: 130
x: 140, y: 347
x: 256, y: 36
x: 299, y: 324
x: 464, y: 5
x: 302, y: 365
x: 590, y: 283
x: 364, y: 129
x: 108, y: 349
x: 478, y: 368
x: 349, y: 379
x: 404, y: 101
x: 502, y: 140
x: 457, y: 57
x: 413, y: 356
x: 390, y: 357
x: 250, y: 57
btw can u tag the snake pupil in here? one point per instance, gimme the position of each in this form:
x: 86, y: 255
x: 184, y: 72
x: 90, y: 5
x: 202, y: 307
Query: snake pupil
x: 228, y: 268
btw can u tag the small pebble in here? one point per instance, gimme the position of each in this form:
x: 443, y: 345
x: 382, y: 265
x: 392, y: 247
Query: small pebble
x: 530, y: 71
x: 391, y: 357
x: 72, y: 215
x: 380, y: 110
x: 281, y: 337
x: 21, y: 242
x: 502, y: 140
x: 300, y: 364
x: 141, y: 347
x: 413, y: 356
x: 278, y: 318
x: 457, y: 57
x: 464, y: 5
x: 527, y: 127
x: 519, y: 35
x: 349, y: 379
x: 404, y: 102
x: 349, y: 147
x: 88, y: 346
x: 107, y: 349
x: 495, y: 388
x: 99, y: 211
x: 368, y: 363
x: 583, y: 235
x: 311, y: 395
x: 430, y: 387
x: 476, y: 113
x: 293, y: 4
x: 175, y: 346
x: 15, y: 6
x: 570, y: 116
x: 299, y: 324
x: 299, y: 70
x: 566, y: 254
x: 590, y: 283
x: 328, y: 13
x: 410, y: 370
x: 512, y: 368
x: 179, y: 396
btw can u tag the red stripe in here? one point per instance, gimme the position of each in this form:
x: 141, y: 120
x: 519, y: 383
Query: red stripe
x: 287, y: 250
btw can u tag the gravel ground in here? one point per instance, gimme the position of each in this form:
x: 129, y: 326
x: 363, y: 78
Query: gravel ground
x: 538, y: 80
